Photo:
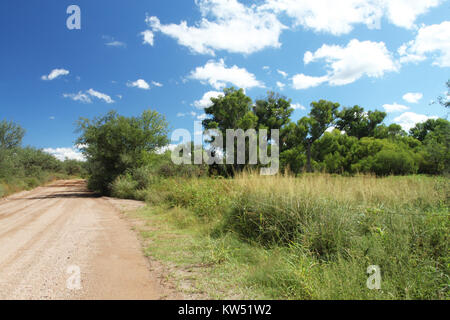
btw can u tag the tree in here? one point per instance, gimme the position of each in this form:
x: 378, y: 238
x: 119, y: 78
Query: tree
x: 358, y: 123
x: 11, y: 135
x: 392, y: 131
x: 421, y: 130
x: 114, y: 144
x: 445, y: 101
x: 435, y: 137
x: 321, y: 118
x: 273, y: 112
x: 231, y: 111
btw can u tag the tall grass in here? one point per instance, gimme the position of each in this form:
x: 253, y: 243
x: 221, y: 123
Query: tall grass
x: 315, y: 235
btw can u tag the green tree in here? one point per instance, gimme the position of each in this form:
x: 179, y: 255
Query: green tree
x: 231, y: 111
x: 421, y: 130
x: 435, y: 137
x: 358, y: 123
x: 273, y: 112
x: 114, y: 144
x: 11, y: 135
x: 321, y: 117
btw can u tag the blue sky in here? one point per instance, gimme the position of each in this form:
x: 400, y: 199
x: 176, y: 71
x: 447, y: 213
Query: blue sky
x: 168, y: 55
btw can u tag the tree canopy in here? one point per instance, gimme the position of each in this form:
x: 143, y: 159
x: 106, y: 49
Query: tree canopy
x: 114, y: 144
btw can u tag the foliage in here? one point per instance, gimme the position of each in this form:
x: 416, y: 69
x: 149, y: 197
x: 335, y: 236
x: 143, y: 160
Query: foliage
x: 11, y: 135
x: 114, y: 144
x: 310, y: 237
x: 25, y: 167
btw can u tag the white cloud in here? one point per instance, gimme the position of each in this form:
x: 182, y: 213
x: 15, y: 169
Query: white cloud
x: 115, y: 43
x: 65, y: 153
x: 100, y: 96
x: 280, y: 85
x: 218, y: 75
x: 430, y: 40
x: 111, y: 42
x: 225, y: 25
x: 55, y: 73
x: 284, y: 74
x: 403, y: 13
x: 205, y: 101
x: 297, y: 106
x: 148, y: 37
x: 140, y: 83
x: 339, y: 17
x: 80, y: 96
x: 157, y: 84
x: 409, y: 119
x: 347, y: 64
x: 412, y: 97
x: 202, y: 117
x: 395, y: 107
x: 301, y: 81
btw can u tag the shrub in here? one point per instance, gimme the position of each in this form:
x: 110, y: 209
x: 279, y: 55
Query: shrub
x: 397, y: 162
x: 124, y: 187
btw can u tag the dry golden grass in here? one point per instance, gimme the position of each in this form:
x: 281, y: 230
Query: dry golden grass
x: 358, y: 190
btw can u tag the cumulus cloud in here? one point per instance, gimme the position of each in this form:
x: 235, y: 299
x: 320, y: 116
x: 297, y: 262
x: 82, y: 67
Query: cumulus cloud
x: 157, y: 84
x: 297, y: 106
x: 80, y: 96
x: 101, y: 96
x: 339, y: 17
x: 301, y: 81
x: 280, y: 85
x: 432, y: 41
x: 66, y: 153
x: 409, y: 119
x: 284, y: 74
x: 205, y: 101
x: 140, y: 83
x: 395, y: 107
x: 218, y: 75
x: 148, y: 37
x: 412, y: 97
x: 403, y: 13
x: 225, y: 25
x: 347, y: 64
x: 55, y: 73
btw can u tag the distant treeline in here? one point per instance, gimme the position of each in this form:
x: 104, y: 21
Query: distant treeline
x: 336, y: 140
x: 26, y: 167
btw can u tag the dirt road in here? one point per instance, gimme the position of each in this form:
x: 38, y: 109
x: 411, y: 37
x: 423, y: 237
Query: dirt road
x: 62, y: 242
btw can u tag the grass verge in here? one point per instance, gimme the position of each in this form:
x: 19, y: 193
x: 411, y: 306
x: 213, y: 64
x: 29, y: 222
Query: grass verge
x: 311, y: 237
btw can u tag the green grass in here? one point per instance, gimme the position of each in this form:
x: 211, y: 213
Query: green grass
x: 311, y: 237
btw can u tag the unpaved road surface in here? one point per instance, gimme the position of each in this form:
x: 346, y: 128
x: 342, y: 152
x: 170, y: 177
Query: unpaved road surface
x: 61, y: 242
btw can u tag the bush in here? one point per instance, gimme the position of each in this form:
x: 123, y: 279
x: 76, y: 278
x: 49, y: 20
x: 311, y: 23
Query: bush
x: 397, y: 162
x: 124, y: 187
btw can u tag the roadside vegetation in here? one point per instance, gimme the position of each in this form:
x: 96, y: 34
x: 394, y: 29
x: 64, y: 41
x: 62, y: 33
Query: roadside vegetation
x: 25, y: 168
x: 307, y: 237
x: 352, y: 192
